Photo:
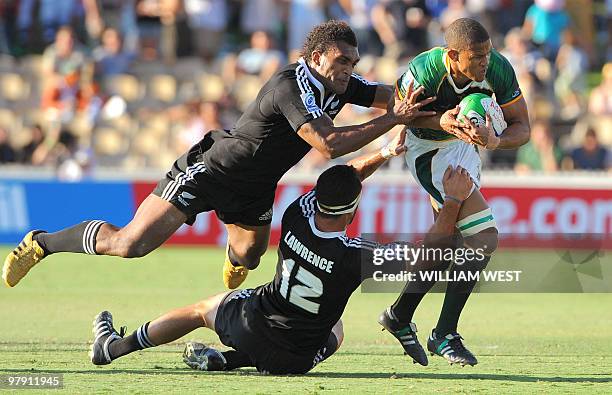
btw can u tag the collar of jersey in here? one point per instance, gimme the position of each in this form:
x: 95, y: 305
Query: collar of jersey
x: 473, y: 84
x: 316, y: 83
x: 324, y: 235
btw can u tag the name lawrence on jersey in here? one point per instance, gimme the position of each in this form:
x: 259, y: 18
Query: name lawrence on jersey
x: 305, y: 253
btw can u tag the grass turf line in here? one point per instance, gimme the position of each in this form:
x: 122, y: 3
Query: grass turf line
x: 559, y: 343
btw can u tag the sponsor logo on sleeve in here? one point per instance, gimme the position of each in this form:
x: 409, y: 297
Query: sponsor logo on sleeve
x: 309, y: 102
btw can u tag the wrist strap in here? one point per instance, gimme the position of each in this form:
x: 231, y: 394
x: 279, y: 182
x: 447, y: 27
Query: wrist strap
x: 385, y: 152
x: 453, y: 199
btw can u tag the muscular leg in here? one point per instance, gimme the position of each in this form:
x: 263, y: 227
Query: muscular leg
x: 154, y: 222
x: 247, y: 244
x: 405, y: 305
x: 170, y: 326
x: 176, y: 324
x: 457, y: 293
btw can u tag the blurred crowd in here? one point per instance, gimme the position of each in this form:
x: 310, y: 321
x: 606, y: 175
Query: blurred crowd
x: 134, y: 83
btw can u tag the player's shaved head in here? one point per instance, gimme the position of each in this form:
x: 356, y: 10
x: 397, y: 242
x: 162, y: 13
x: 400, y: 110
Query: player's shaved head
x: 464, y: 33
x: 327, y: 34
x: 338, y: 189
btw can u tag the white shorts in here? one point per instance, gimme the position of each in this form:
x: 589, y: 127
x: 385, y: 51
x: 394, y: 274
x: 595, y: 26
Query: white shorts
x: 428, y: 160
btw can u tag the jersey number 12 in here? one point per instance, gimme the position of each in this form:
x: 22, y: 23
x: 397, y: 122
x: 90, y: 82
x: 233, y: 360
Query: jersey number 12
x: 311, y: 287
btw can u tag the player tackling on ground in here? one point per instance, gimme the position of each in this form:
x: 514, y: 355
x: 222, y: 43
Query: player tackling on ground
x: 289, y: 325
x: 235, y: 172
x: 467, y: 65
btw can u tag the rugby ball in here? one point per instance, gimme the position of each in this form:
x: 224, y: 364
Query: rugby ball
x: 475, y: 106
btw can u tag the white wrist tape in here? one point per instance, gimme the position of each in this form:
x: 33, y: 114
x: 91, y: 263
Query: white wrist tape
x: 386, y: 152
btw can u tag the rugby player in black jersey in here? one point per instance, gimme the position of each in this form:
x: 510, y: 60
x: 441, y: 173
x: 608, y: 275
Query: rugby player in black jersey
x: 292, y: 323
x: 235, y: 172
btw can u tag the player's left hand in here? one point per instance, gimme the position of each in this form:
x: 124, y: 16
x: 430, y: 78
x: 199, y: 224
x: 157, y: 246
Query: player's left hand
x: 483, y: 136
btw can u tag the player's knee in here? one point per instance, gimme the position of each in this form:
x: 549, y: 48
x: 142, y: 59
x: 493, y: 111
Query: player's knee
x: 250, y: 261
x: 487, y: 241
x: 484, y: 244
x: 249, y: 255
x: 200, y: 311
x: 338, y: 331
x: 479, y: 231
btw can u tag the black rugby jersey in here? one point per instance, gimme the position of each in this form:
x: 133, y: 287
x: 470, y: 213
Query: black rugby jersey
x: 316, y: 274
x: 264, y: 144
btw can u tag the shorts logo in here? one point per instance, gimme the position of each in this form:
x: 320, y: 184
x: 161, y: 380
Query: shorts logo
x: 516, y: 93
x: 319, y: 357
x: 309, y: 102
x: 266, y: 216
x: 183, y: 196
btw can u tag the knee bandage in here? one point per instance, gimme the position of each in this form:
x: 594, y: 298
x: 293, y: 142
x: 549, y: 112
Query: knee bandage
x: 475, y: 223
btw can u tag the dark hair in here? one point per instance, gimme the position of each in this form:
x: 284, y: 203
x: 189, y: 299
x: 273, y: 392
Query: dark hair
x: 326, y: 34
x: 465, y: 32
x: 337, y: 186
x: 591, y: 132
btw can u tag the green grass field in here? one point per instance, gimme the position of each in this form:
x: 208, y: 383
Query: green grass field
x: 526, y: 343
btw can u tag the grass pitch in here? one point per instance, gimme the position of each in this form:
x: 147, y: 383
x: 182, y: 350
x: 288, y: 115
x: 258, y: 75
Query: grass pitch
x: 525, y: 343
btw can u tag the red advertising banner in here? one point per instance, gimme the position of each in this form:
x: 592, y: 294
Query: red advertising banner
x: 523, y: 214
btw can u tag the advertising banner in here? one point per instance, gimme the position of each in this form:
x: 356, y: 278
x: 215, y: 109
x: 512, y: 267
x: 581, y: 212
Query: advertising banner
x: 524, y: 214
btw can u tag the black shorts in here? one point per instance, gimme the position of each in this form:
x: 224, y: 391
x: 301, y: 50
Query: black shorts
x: 239, y: 332
x: 192, y: 190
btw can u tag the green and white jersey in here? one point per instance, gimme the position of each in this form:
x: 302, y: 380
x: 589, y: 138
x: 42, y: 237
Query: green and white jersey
x: 431, y: 70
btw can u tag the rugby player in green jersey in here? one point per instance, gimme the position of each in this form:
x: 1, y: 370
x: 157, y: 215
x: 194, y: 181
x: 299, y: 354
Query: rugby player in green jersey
x: 468, y: 64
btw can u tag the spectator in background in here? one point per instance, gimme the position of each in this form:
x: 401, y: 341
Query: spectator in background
x: 498, y: 15
x: 520, y: 53
x: 157, y: 28
x: 53, y: 14
x: 208, y: 21
x: 591, y: 155
x: 62, y: 58
x: 7, y: 152
x: 402, y: 26
x: 600, y: 102
x: 545, y: 22
x: 359, y: 13
x: 486, y: 11
x: 263, y: 15
x: 110, y: 58
x: 201, y: 116
x: 303, y: 16
x: 540, y: 153
x: 28, y: 154
x: 570, y: 85
x: 260, y: 59
x: 119, y: 15
x: 455, y: 10
x: 62, y: 66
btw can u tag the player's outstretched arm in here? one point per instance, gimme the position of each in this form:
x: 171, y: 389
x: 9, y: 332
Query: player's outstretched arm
x: 333, y: 141
x: 457, y: 187
x: 383, y: 97
x: 367, y: 164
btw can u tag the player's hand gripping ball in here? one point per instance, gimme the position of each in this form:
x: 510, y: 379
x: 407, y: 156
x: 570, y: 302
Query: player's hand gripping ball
x: 475, y: 106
